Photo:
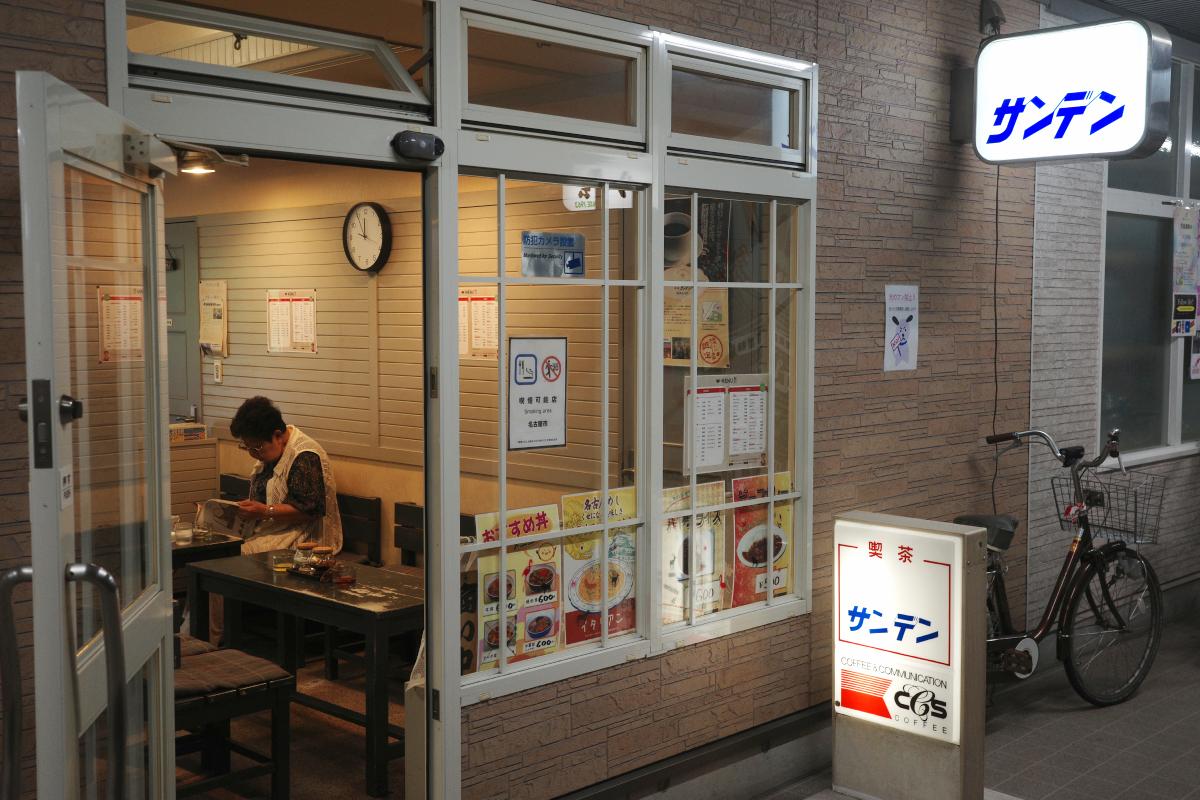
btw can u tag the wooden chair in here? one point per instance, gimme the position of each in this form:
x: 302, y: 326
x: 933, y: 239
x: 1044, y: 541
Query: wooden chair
x: 212, y: 687
x: 234, y: 487
x: 362, y: 521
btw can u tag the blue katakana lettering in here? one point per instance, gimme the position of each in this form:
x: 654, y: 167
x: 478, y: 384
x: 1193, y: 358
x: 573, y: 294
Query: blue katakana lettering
x: 1010, y: 109
x: 861, y: 615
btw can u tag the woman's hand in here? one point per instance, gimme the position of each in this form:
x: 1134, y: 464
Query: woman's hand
x: 252, y: 509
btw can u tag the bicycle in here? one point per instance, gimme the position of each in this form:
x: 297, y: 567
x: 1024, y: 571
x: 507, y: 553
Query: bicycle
x: 1106, y: 605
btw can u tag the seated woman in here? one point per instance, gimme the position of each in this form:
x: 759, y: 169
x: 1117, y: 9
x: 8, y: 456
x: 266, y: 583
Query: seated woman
x: 293, y: 497
x: 292, y: 493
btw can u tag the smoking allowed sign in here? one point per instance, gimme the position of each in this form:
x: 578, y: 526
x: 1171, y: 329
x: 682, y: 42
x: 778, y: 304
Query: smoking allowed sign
x: 537, y: 393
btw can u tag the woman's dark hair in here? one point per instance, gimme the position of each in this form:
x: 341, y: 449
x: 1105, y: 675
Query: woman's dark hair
x: 257, y: 420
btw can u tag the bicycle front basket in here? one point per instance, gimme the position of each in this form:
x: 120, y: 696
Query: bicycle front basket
x: 1121, y: 505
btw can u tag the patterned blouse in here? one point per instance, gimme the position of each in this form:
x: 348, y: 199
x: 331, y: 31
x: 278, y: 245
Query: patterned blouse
x: 305, y: 483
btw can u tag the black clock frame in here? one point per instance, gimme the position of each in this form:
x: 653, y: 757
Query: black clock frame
x: 385, y: 249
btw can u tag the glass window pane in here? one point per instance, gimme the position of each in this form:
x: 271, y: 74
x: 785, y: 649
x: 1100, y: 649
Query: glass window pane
x: 1137, y: 308
x: 215, y: 46
x: 789, y: 243
x: 1194, y: 145
x: 543, y: 76
x: 708, y: 560
x: 400, y: 22
x: 1191, y: 394
x: 1156, y: 172
x: 727, y: 108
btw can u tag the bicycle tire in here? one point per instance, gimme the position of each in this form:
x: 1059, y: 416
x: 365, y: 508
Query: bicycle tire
x: 1092, y: 629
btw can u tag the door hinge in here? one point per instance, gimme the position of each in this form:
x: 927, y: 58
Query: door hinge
x: 435, y: 704
x: 433, y: 383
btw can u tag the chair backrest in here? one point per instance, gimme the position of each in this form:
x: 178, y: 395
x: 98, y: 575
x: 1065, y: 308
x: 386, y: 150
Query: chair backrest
x: 362, y: 519
x: 234, y: 487
x: 409, y: 533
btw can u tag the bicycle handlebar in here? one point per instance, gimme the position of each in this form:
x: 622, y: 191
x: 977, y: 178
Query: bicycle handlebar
x: 1111, y: 446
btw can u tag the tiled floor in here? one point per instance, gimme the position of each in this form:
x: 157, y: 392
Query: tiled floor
x: 1045, y: 743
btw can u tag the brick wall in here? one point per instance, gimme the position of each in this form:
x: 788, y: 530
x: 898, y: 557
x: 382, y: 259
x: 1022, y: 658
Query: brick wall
x: 898, y: 203
x: 66, y: 39
x: 1068, y: 306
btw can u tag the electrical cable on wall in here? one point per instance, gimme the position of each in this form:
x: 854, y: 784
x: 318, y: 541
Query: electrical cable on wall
x: 996, y: 341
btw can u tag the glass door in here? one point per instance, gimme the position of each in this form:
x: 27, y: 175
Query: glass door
x: 96, y: 408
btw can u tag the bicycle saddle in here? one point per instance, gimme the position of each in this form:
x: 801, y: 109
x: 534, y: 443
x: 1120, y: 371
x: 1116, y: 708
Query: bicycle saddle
x: 1000, y: 527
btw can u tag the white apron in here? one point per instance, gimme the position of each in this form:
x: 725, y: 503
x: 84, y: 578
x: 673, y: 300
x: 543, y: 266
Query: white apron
x: 272, y: 534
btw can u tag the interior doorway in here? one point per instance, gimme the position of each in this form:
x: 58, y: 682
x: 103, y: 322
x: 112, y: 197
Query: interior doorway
x: 302, y: 282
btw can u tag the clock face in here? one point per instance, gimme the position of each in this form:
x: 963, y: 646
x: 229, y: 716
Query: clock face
x: 367, y: 236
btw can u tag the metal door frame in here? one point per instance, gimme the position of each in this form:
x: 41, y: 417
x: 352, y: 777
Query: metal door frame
x: 59, y: 126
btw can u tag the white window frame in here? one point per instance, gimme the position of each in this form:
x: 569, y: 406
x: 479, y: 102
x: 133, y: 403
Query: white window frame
x: 797, y: 86
x: 476, y: 114
x: 1162, y: 206
x: 584, y: 657
x: 275, y: 86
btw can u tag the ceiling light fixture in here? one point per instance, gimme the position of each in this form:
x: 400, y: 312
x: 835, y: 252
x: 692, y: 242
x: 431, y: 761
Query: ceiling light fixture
x: 194, y: 163
x: 199, y: 159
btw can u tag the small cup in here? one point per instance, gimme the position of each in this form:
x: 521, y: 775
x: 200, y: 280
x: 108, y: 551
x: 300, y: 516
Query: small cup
x: 183, y: 535
x: 281, y: 561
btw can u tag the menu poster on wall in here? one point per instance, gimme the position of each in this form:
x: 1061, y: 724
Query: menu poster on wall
x: 214, y: 327
x: 727, y: 423
x: 532, y: 584
x: 478, y: 318
x: 901, y: 306
x: 712, y: 233
x: 537, y: 392
x: 120, y: 321
x: 677, y: 551
x: 291, y: 320
x: 582, y: 565
x: 1183, y: 314
x: 750, y: 540
x: 1185, y: 255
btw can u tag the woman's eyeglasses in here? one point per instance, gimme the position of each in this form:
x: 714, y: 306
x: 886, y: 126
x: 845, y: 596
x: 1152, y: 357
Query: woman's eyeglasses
x: 255, y: 451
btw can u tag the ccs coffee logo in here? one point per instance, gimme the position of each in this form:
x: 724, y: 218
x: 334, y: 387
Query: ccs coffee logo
x: 923, y: 704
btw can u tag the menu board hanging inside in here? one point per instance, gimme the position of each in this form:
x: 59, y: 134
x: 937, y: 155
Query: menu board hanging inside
x: 478, y: 322
x: 537, y: 393
x: 291, y: 320
x: 120, y: 321
x: 727, y: 422
x: 214, y: 327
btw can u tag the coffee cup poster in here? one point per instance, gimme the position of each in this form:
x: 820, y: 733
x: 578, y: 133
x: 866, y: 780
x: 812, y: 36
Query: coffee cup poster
x: 710, y: 234
x: 900, y: 328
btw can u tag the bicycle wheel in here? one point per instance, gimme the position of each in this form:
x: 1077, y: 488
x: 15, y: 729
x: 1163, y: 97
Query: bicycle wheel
x: 1113, y: 626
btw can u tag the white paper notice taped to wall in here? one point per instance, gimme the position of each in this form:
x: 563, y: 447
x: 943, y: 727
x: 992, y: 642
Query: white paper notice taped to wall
x: 291, y: 320
x: 478, y: 322
x: 214, y: 325
x: 901, y: 307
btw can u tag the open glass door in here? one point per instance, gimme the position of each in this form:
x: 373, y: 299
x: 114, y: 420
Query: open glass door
x: 94, y: 331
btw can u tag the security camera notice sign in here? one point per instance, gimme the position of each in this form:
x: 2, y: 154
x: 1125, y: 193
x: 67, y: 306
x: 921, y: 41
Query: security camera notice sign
x: 537, y: 393
x: 898, y: 627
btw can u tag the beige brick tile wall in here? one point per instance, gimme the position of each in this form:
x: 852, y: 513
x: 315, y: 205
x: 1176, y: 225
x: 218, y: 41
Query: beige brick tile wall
x: 898, y: 203
x: 66, y: 39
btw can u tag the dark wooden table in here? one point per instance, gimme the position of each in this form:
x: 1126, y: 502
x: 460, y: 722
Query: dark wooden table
x: 381, y: 604
x: 213, y: 545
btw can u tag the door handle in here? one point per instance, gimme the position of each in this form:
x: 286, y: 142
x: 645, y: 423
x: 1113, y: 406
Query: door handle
x: 10, y: 684
x: 23, y: 409
x: 114, y: 658
x: 69, y: 409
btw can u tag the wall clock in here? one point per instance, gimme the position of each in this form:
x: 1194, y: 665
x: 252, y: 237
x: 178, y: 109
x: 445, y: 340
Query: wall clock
x: 367, y: 237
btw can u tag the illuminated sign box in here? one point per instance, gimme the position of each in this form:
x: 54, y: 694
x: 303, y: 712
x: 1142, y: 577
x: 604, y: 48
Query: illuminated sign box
x: 1086, y: 91
x: 898, y: 632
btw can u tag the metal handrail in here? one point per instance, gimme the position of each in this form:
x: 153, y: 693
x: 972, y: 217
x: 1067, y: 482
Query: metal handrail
x: 114, y: 658
x: 10, y: 684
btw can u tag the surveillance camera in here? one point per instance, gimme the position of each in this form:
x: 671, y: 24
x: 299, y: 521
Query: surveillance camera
x: 991, y: 17
x: 418, y: 146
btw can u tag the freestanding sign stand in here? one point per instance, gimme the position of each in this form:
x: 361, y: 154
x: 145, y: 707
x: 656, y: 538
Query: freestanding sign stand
x: 909, y: 658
